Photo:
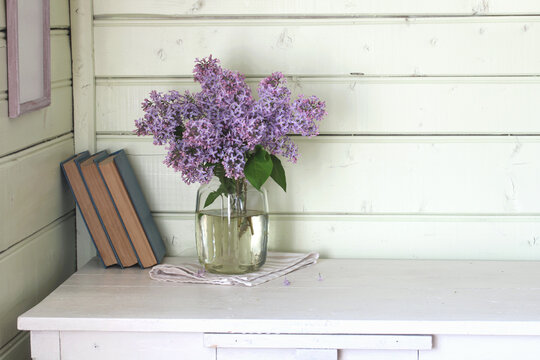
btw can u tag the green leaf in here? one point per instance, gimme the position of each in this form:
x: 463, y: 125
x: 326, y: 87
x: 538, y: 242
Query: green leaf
x: 214, y: 195
x: 258, y: 167
x: 219, y: 172
x: 278, y: 173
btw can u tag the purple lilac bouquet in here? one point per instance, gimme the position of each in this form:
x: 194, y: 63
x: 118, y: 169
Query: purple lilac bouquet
x: 224, y: 131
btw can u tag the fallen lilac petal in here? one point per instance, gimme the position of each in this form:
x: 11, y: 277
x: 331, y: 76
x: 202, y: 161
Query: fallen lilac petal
x: 320, y: 277
x: 201, y: 272
x: 286, y: 282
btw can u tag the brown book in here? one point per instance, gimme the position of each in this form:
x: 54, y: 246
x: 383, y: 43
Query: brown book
x: 107, y: 211
x: 88, y: 212
x: 127, y: 211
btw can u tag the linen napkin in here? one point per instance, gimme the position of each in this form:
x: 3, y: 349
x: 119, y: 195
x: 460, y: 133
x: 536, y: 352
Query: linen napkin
x: 277, y: 264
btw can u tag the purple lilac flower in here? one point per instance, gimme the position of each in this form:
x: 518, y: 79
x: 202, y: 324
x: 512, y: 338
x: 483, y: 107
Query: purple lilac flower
x: 222, y: 123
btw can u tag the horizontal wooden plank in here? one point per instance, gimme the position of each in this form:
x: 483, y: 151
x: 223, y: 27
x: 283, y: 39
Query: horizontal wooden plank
x: 60, y: 55
x: 374, y: 46
x: 33, y: 269
x: 36, y: 126
x: 368, y: 105
x: 382, y: 236
x: 370, y: 174
x: 33, y: 190
x: 59, y: 13
x: 311, y: 7
x: 17, y: 349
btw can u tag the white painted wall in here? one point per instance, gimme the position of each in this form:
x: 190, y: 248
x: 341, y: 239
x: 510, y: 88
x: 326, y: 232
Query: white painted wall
x: 432, y: 144
x: 37, y: 220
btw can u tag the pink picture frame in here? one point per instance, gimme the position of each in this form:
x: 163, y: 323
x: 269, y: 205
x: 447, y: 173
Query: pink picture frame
x: 29, y: 55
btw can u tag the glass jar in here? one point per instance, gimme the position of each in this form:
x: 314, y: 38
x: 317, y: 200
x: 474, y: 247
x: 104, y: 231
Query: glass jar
x: 232, y: 230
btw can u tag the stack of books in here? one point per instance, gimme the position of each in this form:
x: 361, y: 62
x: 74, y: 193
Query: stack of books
x: 114, y: 209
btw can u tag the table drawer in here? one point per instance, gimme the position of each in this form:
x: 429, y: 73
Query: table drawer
x: 313, y: 354
x: 98, y: 345
x: 478, y: 347
x: 316, y: 347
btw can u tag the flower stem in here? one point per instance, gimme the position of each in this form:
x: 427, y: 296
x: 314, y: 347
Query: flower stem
x: 241, y: 207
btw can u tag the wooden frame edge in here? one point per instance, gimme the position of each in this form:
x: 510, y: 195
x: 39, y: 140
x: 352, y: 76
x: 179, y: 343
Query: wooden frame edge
x: 15, y: 107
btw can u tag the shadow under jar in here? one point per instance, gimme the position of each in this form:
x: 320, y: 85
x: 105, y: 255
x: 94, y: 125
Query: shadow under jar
x: 231, y: 231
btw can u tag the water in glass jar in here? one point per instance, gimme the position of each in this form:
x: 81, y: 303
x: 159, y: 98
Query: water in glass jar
x: 234, y: 244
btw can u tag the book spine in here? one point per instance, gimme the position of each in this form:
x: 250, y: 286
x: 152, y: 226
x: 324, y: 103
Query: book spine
x: 98, y: 215
x: 97, y: 160
x: 141, y: 206
x: 85, y: 155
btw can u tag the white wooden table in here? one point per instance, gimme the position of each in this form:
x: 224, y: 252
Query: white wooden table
x: 362, y: 309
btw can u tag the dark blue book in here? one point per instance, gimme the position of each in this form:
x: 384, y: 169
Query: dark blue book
x: 87, y: 210
x: 133, y: 208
